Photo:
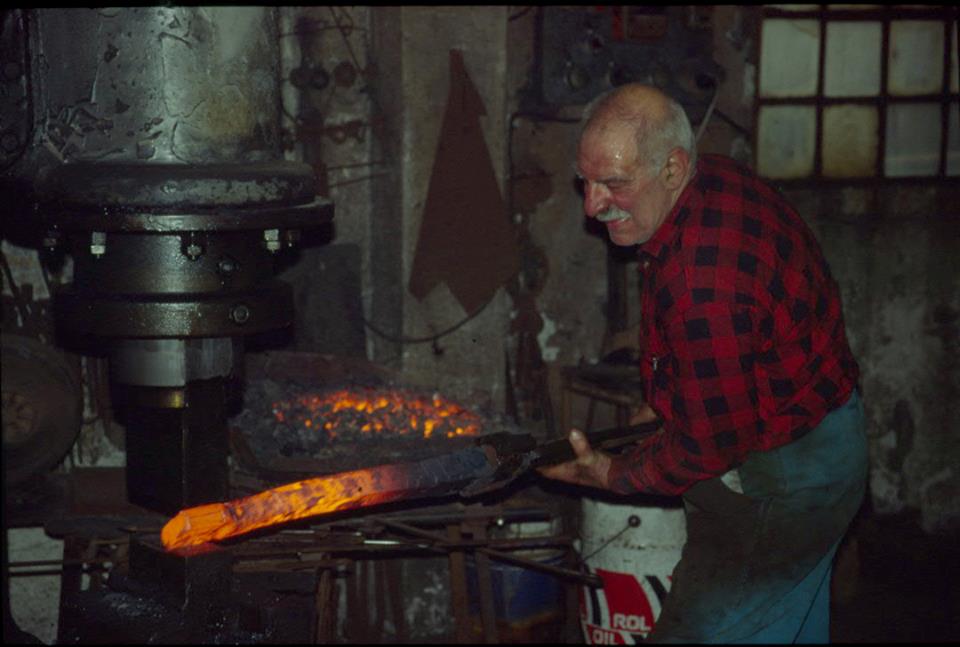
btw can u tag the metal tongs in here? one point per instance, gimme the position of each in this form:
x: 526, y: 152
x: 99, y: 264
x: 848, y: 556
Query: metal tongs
x: 515, y: 453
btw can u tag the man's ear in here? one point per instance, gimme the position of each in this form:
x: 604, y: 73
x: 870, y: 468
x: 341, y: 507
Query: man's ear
x: 675, y: 170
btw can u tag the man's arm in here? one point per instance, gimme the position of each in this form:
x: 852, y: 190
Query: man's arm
x: 591, y: 467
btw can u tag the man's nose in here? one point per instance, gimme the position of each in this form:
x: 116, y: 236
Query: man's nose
x: 595, y: 199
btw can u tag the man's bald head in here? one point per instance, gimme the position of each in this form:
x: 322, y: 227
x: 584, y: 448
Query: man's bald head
x: 635, y: 158
x: 657, y: 122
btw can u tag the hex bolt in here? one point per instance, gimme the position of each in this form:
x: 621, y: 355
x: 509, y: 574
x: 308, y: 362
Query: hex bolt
x: 98, y: 243
x: 633, y: 521
x: 239, y: 314
x: 192, y: 245
x: 271, y: 240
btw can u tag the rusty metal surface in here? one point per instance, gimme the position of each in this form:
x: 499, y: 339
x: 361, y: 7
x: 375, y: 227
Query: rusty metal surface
x: 166, y: 198
x: 306, y: 561
x: 458, y: 587
x: 439, y: 542
x: 317, y: 213
x: 189, y: 84
x: 488, y: 613
x: 179, y: 187
x: 326, y: 601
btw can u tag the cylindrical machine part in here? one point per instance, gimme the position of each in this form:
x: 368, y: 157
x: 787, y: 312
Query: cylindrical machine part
x: 155, y: 154
x: 175, y: 195
x: 171, y: 362
x: 634, y: 551
x: 192, y: 85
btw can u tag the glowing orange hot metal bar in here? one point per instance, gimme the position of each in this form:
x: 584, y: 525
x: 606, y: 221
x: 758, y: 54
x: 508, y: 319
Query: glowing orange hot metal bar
x: 365, y: 487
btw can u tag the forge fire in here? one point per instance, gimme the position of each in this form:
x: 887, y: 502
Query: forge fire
x: 350, y: 415
x: 343, y: 417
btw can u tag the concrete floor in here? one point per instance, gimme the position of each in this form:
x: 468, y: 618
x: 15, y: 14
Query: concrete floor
x: 35, y: 600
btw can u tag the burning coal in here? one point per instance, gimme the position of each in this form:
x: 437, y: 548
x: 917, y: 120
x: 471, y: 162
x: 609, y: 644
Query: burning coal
x: 347, y: 416
x: 337, y: 420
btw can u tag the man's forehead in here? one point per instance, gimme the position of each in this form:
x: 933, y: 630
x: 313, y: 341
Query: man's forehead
x: 608, y: 154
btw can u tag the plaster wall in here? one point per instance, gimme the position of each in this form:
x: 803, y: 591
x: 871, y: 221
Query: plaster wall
x: 468, y: 362
x: 898, y: 268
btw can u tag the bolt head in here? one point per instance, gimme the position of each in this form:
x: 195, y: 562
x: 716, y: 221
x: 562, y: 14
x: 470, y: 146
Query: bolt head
x: 240, y: 314
x: 271, y: 240
x: 227, y: 266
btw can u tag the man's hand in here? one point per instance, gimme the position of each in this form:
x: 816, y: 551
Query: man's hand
x: 642, y: 414
x: 590, y: 467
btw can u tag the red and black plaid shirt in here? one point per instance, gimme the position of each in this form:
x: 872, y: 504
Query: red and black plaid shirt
x: 743, y: 343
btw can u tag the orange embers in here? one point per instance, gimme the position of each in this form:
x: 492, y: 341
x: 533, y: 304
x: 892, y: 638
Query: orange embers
x: 342, y: 416
x: 217, y: 521
x: 348, y: 415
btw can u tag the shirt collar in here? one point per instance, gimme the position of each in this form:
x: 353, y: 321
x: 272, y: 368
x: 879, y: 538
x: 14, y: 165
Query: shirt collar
x: 689, y: 199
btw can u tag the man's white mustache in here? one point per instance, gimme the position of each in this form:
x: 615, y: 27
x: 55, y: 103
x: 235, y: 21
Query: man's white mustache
x: 613, y: 213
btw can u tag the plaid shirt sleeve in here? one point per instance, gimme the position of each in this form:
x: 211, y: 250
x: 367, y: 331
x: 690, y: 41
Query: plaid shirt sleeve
x: 712, y: 402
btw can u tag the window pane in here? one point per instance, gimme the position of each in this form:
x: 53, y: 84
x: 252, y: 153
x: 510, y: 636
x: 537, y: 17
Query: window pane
x: 789, y: 58
x: 785, y: 143
x: 849, y: 141
x: 916, y: 57
x: 852, y: 60
x: 913, y: 139
x: 953, y: 144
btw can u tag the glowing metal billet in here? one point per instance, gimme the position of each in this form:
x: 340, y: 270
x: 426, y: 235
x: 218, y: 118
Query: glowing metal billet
x: 437, y: 476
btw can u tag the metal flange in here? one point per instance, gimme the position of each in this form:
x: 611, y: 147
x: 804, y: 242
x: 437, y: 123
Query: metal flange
x: 266, y: 307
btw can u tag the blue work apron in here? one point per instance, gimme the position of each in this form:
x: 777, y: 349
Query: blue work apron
x: 756, y: 566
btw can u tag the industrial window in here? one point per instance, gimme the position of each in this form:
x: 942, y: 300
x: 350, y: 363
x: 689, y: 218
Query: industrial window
x: 857, y: 92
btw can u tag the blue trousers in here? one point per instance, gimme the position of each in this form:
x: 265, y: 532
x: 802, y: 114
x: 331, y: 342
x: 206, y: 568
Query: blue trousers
x: 756, y: 566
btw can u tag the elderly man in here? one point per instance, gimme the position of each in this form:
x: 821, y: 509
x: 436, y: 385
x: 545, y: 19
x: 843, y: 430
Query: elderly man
x: 746, y: 361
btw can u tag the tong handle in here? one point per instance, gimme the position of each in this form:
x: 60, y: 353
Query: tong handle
x: 560, y: 451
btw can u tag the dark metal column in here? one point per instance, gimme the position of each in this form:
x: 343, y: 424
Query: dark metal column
x: 147, y: 143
